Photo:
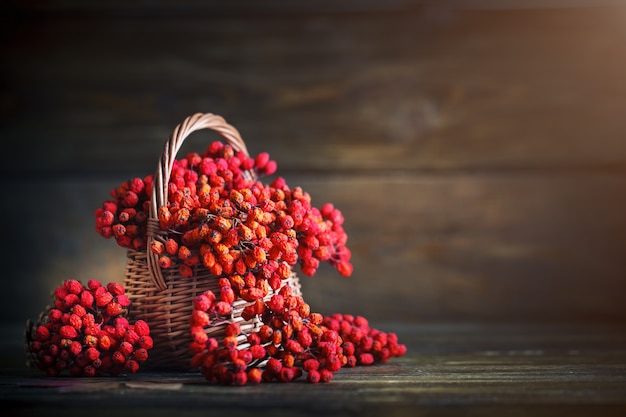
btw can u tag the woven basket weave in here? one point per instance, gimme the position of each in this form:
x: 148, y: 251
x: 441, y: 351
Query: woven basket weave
x: 164, y: 299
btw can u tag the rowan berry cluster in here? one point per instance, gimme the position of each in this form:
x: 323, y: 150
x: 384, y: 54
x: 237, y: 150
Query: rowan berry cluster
x: 362, y: 344
x: 85, y: 332
x: 220, y: 216
x: 292, y: 342
x: 276, y: 351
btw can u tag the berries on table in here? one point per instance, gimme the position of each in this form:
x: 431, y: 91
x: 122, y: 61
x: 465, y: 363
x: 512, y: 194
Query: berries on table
x: 85, y: 332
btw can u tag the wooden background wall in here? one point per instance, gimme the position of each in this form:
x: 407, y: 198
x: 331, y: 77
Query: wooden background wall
x: 476, y: 148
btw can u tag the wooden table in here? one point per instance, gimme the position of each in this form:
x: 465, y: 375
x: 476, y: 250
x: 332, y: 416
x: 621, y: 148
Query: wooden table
x: 449, y: 369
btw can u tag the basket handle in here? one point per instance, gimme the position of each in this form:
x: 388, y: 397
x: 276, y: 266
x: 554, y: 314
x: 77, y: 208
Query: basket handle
x: 162, y: 176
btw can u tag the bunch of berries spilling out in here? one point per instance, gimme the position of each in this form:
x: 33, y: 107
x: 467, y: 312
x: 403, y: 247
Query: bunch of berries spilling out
x: 85, y: 332
x: 292, y: 342
x: 220, y: 216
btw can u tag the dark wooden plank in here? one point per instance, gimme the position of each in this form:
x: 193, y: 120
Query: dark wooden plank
x: 550, y: 370
x: 479, y: 247
x: 435, y: 88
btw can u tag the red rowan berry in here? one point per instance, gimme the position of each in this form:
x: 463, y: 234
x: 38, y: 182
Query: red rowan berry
x: 286, y: 374
x: 185, y: 271
x: 351, y: 361
x: 348, y: 348
x: 345, y: 268
x: 60, y: 292
x: 203, y: 302
x: 199, y: 318
x: 79, y: 310
x: 92, y: 354
x: 132, y: 231
x: 103, y: 299
x: 35, y: 346
x: 131, y: 336
x: 365, y: 359
x: 75, y: 348
x: 293, y: 346
x: 119, y: 230
x: 125, y: 348
x: 42, y: 333
x: 223, y: 308
x: 361, y: 321
x: 311, y: 365
x: 253, y: 338
x: 275, y: 282
x: 398, y: 350
x: 265, y: 333
x: 165, y: 262
x: 313, y: 376
x: 276, y: 303
x: 316, y: 318
x: 277, y: 337
x: 131, y: 366
x: 245, y: 355
x: 70, y: 300
x: 93, y: 284
x: 270, y: 168
x: 104, y: 342
x: 123, y: 300
x: 227, y: 294
x: 55, y: 315
x: 273, y: 366
x: 81, y: 360
x: 255, y: 376
x: 232, y: 329
x: 325, y: 375
x: 92, y: 332
x: 240, y: 378
x: 261, y: 160
x: 332, y: 363
x: 122, y: 323
x: 141, y: 355
x: 146, y: 342
x: 104, y: 218
x: 89, y: 371
x: 366, y: 343
x: 75, y: 321
x: 251, y: 294
x: 237, y: 282
x: 258, y: 351
x: 53, y: 350
x: 288, y: 360
x: 73, y: 286
x: 157, y: 247
x: 304, y: 338
x: 180, y: 218
x: 183, y: 252
x: 113, y: 309
x: 68, y: 332
x: 229, y: 342
x: 171, y: 246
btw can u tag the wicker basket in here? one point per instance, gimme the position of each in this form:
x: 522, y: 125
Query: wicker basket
x: 165, y: 298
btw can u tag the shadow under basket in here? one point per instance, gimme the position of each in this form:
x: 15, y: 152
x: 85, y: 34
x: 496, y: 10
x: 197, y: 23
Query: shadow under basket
x: 168, y: 311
